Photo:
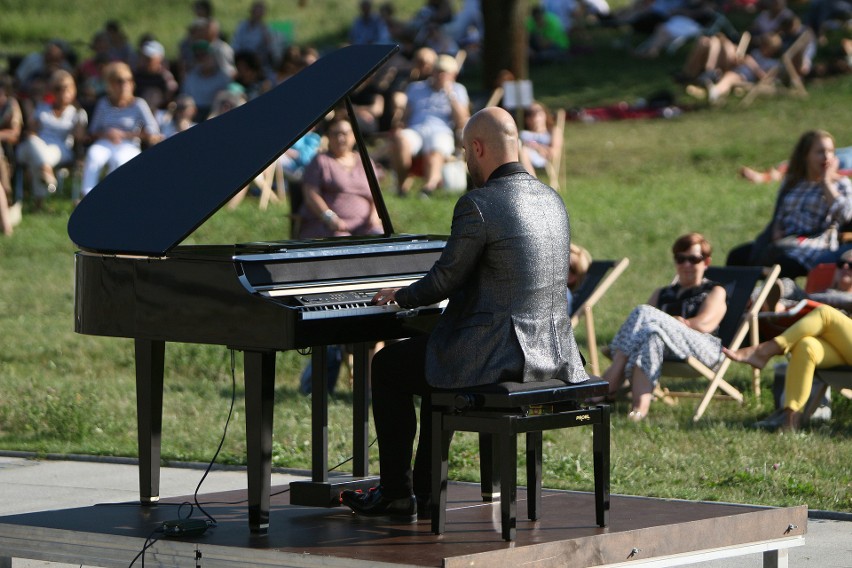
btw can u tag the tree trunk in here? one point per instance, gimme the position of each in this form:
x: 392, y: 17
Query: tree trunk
x: 504, y: 44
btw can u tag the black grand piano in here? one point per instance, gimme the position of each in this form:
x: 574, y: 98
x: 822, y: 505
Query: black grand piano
x: 135, y: 280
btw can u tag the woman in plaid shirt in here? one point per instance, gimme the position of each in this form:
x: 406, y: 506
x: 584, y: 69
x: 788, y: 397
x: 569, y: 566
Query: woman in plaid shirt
x: 814, y: 201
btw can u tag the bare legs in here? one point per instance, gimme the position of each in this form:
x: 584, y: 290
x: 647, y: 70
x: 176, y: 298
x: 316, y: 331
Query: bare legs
x: 432, y: 164
x: 755, y: 176
x: 614, y: 375
x: 709, y: 53
x: 5, y: 214
x: 640, y: 386
x: 400, y: 155
x: 756, y: 355
x: 401, y: 160
x: 642, y: 390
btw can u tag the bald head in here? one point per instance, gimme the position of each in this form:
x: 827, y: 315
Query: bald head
x: 490, y: 140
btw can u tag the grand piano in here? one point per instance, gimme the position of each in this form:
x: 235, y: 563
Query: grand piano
x: 134, y: 278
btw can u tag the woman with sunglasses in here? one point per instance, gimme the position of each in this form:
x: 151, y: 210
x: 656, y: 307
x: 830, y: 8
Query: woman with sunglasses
x: 821, y: 339
x: 678, y: 321
x: 121, y: 123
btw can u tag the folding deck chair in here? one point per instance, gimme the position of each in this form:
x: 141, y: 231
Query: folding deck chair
x: 264, y: 181
x: 740, y: 319
x: 600, y: 276
x: 787, y: 69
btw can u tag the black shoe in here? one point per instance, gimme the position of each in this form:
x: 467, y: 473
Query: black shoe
x: 372, y: 504
x: 772, y: 422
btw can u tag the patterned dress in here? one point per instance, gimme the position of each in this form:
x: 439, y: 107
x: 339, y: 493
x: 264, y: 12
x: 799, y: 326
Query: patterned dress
x: 652, y: 334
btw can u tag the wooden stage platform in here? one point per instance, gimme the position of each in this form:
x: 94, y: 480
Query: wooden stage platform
x: 642, y: 532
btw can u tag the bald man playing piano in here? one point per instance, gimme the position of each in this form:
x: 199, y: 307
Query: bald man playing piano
x: 503, y: 270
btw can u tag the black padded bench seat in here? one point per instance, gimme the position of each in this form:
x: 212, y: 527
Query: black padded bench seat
x: 501, y: 411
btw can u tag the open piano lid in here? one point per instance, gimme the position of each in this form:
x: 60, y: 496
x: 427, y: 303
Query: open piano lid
x: 154, y: 201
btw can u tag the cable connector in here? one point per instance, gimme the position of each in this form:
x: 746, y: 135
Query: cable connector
x: 185, y: 527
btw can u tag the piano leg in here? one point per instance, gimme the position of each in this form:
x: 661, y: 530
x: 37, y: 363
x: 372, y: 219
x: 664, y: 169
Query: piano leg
x: 320, y: 491
x: 260, y: 392
x: 150, y: 356
x: 361, y: 410
x: 319, y: 414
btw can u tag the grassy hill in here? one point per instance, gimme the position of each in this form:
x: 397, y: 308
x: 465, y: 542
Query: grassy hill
x: 631, y: 187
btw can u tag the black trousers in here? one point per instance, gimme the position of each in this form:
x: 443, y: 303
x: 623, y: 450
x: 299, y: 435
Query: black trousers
x: 742, y: 256
x: 398, y: 376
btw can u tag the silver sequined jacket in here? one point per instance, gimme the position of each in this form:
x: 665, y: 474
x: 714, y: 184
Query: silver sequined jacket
x: 504, y: 270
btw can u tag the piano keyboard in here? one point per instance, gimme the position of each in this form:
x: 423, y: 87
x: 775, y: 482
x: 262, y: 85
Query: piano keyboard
x: 350, y: 303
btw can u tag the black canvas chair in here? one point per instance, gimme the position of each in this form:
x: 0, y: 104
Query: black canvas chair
x: 601, y: 275
x: 499, y: 412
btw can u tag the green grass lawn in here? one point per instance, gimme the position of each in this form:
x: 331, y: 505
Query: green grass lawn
x: 631, y: 187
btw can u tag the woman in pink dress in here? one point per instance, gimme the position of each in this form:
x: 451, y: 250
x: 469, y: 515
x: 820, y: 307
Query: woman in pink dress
x: 336, y: 195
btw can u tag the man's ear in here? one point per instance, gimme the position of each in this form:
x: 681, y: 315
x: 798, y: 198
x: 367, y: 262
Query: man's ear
x: 478, y: 147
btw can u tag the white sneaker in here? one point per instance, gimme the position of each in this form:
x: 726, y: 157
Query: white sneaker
x: 712, y: 95
x: 821, y: 414
x: 15, y: 214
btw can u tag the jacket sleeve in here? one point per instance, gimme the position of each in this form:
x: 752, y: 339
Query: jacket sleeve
x: 457, y: 262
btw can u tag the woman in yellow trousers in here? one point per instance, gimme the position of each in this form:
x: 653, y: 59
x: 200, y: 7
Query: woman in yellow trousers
x: 821, y: 339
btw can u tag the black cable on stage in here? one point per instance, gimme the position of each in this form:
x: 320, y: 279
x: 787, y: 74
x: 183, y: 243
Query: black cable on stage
x: 221, y: 441
x: 149, y: 542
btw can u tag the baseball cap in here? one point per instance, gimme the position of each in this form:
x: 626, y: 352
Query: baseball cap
x: 447, y: 63
x: 153, y: 49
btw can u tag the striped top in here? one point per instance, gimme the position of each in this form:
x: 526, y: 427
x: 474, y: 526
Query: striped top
x: 136, y: 117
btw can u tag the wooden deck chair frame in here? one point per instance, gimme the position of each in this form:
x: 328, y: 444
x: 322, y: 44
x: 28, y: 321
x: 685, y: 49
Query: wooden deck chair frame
x: 601, y: 275
x: 742, y: 319
x: 554, y: 167
x: 495, y: 98
x: 273, y: 174
x: 767, y: 85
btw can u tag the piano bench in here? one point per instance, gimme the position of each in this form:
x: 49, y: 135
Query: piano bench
x: 499, y: 412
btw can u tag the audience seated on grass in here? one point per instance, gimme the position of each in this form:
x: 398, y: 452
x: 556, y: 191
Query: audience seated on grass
x: 56, y: 132
x: 11, y: 124
x: 542, y: 140
x: 120, y: 124
x: 436, y: 109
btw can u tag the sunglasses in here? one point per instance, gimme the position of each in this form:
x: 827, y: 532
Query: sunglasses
x: 844, y: 264
x: 691, y: 259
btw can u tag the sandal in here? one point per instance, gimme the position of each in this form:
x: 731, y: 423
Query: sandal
x: 49, y: 181
x: 635, y: 416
